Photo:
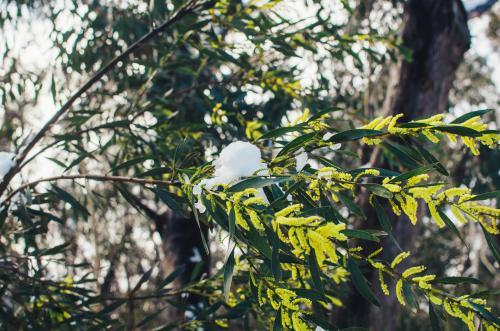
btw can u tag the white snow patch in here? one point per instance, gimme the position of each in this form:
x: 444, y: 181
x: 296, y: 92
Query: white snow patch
x: 236, y: 160
x: 196, y: 257
x: 6, y: 163
x: 301, y: 159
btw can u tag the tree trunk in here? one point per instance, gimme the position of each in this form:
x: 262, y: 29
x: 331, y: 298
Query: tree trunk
x: 437, y: 34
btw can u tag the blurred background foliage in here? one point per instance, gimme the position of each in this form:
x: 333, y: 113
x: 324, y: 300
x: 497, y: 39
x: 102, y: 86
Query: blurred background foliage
x: 232, y: 70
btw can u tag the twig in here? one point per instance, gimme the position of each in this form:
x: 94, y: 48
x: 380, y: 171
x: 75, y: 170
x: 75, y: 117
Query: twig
x: 184, y: 11
x: 101, y: 178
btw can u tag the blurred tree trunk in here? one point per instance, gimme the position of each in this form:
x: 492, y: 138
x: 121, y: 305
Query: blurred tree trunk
x: 436, y: 32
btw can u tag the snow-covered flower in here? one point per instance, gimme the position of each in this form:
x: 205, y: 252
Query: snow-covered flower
x: 301, y: 159
x: 236, y: 160
x: 6, y: 163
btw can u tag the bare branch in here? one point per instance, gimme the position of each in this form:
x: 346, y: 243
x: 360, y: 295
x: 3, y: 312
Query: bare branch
x: 184, y: 11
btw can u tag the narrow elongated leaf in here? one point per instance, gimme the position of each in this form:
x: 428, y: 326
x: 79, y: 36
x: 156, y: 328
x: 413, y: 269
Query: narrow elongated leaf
x: 281, y: 131
x: 65, y: 196
x: 412, y: 173
x: 470, y: 115
x: 459, y: 130
x: 451, y: 226
x: 170, y: 278
x: 360, y: 283
x: 256, y: 182
x: 323, y: 112
x: 315, y: 272
x: 491, y: 241
x: 360, y: 234
x: 228, y: 274
x: 296, y: 143
x: 354, y: 134
x: 485, y: 196
x: 275, y: 260
x: 144, y: 278
x: 434, y: 318
x: 457, y: 280
x: 379, y: 190
x: 277, y: 325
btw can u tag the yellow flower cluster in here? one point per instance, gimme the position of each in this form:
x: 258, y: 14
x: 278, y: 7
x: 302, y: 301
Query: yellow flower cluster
x: 241, y: 203
x: 304, y: 233
x: 292, y: 306
x: 462, y: 309
x: 405, y: 200
x: 334, y: 181
x: 428, y: 126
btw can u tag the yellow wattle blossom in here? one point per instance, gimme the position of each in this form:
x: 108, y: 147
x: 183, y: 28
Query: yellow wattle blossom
x: 288, y: 210
x: 435, y: 215
x: 383, y: 284
x: 298, y: 221
x: 413, y: 270
x: 340, y: 275
x: 399, y: 292
x: 399, y: 258
x: 435, y: 300
x: 370, y: 172
x: 423, y: 281
x: 331, y: 230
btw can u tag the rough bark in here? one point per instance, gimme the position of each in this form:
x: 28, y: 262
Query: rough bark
x: 436, y: 31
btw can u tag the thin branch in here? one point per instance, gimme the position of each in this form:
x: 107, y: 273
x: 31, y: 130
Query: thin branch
x: 100, y: 178
x: 184, y: 11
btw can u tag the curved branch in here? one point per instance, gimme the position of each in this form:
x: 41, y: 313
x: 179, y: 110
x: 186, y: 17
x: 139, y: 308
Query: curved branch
x: 181, y: 13
x: 100, y: 178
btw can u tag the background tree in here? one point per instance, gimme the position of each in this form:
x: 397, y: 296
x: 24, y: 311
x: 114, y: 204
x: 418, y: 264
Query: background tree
x: 224, y: 71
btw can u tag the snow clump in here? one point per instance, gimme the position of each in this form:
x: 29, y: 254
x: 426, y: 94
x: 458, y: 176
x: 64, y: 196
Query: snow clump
x: 6, y: 163
x: 236, y: 160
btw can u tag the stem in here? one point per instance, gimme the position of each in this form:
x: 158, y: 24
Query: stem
x: 101, y: 178
x: 184, y: 11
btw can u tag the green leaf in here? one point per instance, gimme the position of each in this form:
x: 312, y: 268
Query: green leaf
x: 275, y: 261
x: 360, y: 283
x: 317, y: 115
x: 470, y: 115
x: 431, y: 159
x: 457, y: 280
x: 256, y: 182
x: 144, y: 278
x: 232, y: 222
x: 458, y: 130
x: 360, y: 234
x: 434, y: 318
x: 491, y: 241
x: 173, y: 275
x: 451, y: 226
x: 485, y: 313
x: 277, y: 325
x: 296, y: 143
x: 228, y: 274
x: 65, y: 196
x: 351, y: 205
x: 129, y: 163
x: 169, y: 199
x: 315, y: 272
x: 354, y: 134
x: 412, y: 125
x: 281, y: 131
x: 379, y: 190
x: 409, y: 295
x: 485, y: 196
x: 50, y: 251
x: 415, y: 172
